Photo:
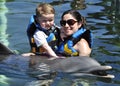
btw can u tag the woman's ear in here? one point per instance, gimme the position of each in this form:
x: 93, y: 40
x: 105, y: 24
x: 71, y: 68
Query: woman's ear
x: 79, y: 24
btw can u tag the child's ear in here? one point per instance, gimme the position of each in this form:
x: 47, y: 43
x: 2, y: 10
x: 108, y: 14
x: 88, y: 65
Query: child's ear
x: 36, y: 18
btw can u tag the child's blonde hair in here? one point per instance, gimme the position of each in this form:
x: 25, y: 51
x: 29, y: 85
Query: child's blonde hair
x: 44, y: 8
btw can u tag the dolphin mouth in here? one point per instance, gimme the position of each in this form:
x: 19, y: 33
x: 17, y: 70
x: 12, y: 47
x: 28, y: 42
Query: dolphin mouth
x: 99, y: 70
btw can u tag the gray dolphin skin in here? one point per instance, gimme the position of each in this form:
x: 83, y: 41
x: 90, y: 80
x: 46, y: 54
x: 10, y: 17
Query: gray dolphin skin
x: 4, y: 50
x: 42, y: 67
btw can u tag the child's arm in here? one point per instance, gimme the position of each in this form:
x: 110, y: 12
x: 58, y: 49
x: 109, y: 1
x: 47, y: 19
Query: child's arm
x: 49, y: 50
x: 40, y: 40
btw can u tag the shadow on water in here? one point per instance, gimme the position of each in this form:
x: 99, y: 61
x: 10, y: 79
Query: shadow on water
x: 102, y: 18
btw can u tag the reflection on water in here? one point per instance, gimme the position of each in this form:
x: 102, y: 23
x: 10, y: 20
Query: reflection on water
x: 3, y: 23
x: 78, y: 4
x: 108, y: 26
x: 102, y: 17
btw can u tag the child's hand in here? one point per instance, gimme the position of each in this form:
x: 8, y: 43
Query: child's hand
x: 28, y: 54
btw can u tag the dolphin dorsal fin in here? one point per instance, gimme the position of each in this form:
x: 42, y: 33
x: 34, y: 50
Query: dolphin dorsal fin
x: 5, y: 50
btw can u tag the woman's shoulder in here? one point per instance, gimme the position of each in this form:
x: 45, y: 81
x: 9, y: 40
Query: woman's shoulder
x: 82, y: 41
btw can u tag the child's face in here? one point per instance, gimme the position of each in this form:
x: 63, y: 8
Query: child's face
x: 46, y: 21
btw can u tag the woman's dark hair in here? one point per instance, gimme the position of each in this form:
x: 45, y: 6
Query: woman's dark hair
x: 76, y: 15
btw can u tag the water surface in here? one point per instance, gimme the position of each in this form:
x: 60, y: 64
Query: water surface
x: 102, y: 18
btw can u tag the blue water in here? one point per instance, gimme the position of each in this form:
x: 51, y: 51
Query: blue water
x: 102, y: 18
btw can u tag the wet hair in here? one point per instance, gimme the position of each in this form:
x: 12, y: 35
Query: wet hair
x: 44, y: 8
x: 76, y: 15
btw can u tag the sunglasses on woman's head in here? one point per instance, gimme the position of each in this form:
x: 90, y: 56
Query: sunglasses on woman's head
x: 69, y: 22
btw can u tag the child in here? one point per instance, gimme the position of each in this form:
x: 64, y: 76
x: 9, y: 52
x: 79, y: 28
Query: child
x: 41, y: 30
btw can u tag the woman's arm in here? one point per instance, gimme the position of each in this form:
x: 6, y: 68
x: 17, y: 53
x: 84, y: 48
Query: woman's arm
x: 83, y: 48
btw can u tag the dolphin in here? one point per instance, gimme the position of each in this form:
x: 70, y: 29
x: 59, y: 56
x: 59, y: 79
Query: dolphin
x: 42, y: 67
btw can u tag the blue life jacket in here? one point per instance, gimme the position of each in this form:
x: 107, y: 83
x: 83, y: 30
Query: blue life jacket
x: 32, y: 27
x: 66, y: 46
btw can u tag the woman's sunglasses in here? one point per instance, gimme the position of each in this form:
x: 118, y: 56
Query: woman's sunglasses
x: 69, y: 22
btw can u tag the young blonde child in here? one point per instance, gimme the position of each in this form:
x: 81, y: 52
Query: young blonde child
x: 41, y: 30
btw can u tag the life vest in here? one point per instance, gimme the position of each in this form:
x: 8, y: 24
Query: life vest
x: 66, y: 47
x: 32, y: 27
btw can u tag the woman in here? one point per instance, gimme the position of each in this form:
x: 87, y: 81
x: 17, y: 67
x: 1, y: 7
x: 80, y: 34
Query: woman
x: 75, y: 39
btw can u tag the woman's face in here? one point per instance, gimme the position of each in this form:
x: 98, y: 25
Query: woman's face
x: 46, y: 21
x: 69, y: 25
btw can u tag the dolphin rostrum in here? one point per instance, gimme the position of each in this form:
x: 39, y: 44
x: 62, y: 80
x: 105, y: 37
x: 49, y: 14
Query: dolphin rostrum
x: 42, y: 66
